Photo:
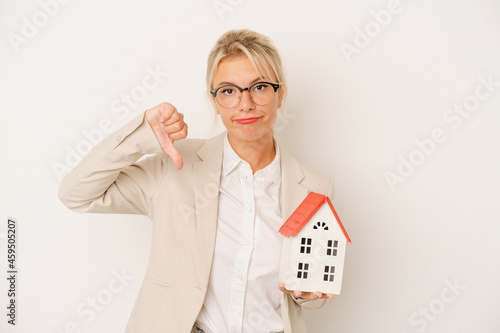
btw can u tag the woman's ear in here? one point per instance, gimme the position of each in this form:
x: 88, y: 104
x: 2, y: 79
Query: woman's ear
x: 213, y: 103
x: 280, y: 97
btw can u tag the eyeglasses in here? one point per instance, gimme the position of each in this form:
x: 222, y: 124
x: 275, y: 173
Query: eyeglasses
x: 229, y: 95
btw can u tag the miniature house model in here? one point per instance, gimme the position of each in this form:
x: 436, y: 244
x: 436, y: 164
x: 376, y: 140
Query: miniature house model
x: 314, y: 248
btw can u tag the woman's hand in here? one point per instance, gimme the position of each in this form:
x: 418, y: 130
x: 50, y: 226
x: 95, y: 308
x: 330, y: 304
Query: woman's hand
x: 168, y: 126
x: 310, y: 296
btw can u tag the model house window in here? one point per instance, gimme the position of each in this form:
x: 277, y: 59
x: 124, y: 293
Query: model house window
x: 321, y: 225
x: 302, y: 271
x: 305, y: 245
x: 329, y: 271
x: 331, y: 249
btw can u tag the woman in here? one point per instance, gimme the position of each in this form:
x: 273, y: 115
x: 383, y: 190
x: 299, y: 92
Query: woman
x: 216, y: 204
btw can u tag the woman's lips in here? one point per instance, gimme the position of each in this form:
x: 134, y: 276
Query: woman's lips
x: 247, y: 120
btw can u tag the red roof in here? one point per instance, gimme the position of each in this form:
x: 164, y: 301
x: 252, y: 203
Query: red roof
x: 305, y: 211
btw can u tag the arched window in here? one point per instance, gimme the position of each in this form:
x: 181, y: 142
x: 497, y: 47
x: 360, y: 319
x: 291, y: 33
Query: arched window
x: 320, y: 225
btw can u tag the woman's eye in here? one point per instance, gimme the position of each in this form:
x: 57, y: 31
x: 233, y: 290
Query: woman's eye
x: 227, y: 91
x: 260, y: 87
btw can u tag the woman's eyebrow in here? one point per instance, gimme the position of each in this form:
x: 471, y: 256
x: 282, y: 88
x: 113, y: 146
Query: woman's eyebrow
x: 264, y: 78
x: 223, y: 83
x: 252, y: 82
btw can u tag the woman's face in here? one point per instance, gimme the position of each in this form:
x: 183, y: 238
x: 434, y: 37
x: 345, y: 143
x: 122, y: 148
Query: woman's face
x: 246, y: 121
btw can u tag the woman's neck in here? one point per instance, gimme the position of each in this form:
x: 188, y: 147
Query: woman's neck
x: 259, y: 153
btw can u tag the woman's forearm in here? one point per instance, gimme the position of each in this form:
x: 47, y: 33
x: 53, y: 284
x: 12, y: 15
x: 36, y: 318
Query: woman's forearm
x: 108, y: 179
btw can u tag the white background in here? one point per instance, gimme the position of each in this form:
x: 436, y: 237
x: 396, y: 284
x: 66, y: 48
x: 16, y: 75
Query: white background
x: 353, y: 117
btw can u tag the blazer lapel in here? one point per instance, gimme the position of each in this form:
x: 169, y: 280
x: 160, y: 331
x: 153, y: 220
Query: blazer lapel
x: 292, y: 191
x: 207, y: 173
x: 292, y: 194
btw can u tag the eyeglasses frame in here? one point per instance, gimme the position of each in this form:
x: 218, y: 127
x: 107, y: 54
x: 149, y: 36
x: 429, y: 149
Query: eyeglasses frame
x: 214, y: 91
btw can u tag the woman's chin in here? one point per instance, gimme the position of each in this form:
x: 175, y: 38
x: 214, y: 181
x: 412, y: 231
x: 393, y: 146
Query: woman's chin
x: 251, y: 135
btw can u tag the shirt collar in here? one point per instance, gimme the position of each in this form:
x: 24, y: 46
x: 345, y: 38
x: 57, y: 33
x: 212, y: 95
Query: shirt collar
x: 231, y: 160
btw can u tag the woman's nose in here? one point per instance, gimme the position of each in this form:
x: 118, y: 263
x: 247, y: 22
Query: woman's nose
x: 246, y: 103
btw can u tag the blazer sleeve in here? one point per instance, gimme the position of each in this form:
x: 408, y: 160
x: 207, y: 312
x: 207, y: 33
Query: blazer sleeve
x: 110, y: 179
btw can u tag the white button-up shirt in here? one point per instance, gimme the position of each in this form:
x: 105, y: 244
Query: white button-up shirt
x: 243, y: 294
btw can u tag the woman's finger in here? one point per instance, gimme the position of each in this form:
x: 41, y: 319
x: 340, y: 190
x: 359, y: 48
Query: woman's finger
x: 306, y: 294
x: 182, y: 134
x: 168, y: 126
x: 170, y: 150
x: 166, y: 110
x: 173, y: 127
x: 173, y: 117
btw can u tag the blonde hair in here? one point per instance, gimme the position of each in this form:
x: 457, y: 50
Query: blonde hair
x: 259, y: 49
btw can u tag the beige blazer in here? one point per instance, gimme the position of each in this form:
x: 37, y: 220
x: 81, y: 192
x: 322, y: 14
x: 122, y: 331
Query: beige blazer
x: 183, y: 204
